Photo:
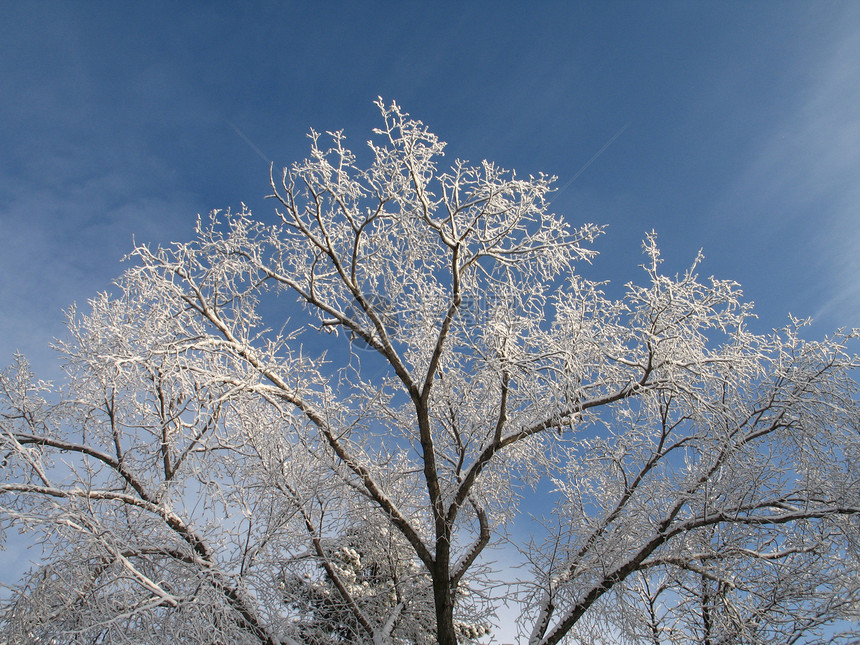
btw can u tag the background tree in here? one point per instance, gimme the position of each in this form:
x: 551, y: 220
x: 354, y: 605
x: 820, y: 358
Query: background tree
x: 205, y: 446
x: 382, y: 577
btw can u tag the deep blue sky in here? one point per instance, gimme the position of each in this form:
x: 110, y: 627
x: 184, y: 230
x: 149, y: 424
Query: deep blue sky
x: 742, y: 128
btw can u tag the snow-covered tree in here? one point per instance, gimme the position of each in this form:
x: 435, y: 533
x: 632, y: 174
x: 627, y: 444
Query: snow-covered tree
x: 791, y: 592
x: 221, y: 467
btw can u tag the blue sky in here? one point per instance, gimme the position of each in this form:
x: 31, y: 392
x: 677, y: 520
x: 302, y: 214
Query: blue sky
x: 741, y: 132
x: 738, y: 129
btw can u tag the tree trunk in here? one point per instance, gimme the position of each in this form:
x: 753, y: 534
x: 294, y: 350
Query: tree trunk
x: 443, y: 597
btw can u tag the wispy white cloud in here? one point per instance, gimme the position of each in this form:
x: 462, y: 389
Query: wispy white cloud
x: 63, y: 243
x: 802, y: 176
